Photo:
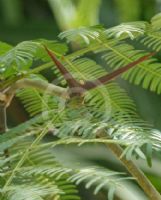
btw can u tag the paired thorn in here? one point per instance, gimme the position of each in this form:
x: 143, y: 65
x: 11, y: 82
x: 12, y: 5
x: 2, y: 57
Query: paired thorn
x: 88, y: 85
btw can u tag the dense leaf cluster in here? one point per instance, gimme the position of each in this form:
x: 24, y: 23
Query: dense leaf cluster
x: 105, y: 114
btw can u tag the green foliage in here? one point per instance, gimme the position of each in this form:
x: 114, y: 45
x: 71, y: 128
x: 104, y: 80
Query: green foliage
x: 105, y: 114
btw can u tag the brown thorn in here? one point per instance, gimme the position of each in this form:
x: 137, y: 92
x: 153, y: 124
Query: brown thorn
x: 66, y: 74
x: 106, y: 78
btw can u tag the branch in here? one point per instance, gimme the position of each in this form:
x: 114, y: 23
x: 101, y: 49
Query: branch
x: 40, y: 85
x: 141, y: 179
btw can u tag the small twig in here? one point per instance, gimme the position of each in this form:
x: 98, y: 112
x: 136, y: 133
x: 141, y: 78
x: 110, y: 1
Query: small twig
x: 3, y: 122
x: 3, y: 118
x: 40, y: 85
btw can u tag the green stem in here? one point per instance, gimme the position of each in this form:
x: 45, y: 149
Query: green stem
x: 23, y: 158
x: 141, y: 179
x: 28, y: 150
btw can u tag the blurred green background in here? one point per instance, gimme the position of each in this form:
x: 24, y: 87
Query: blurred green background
x: 28, y: 19
x: 31, y: 19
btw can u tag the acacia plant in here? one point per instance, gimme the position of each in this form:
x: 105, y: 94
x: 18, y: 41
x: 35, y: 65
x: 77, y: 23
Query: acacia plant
x: 80, y: 106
